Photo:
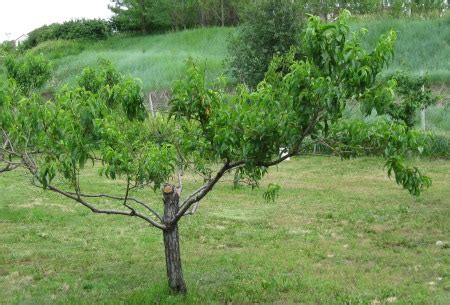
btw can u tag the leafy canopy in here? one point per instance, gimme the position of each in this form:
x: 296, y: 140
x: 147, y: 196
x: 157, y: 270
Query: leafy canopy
x: 103, y: 118
x: 300, y: 102
x: 411, y: 95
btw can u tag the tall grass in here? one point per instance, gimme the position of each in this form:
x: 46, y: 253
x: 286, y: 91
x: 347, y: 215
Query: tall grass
x: 438, y: 119
x: 157, y: 60
x: 438, y: 122
x: 423, y: 46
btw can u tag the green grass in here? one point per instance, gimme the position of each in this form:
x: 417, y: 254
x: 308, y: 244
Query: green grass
x: 340, y: 232
x: 157, y: 60
x: 423, y: 46
x: 438, y: 119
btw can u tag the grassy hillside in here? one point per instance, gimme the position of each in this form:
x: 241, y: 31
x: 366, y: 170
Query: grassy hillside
x: 340, y: 233
x: 157, y: 60
x: 423, y: 46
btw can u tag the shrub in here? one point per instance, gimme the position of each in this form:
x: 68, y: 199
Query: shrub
x: 93, y: 78
x: 29, y: 72
x: 270, y: 27
x: 55, y: 49
x: 105, y: 81
x: 39, y: 35
x: 6, y: 48
x: 94, y: 29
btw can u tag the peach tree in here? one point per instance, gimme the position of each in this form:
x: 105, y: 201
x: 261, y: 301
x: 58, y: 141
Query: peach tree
x: 209, y: 131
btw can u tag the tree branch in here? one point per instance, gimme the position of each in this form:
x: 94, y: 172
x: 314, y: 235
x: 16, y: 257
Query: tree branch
x: 94, y: 209
x: 195, y: 197
x: 180, y: 185
x: 120, y: 199
x: 78, y: 198
x: 201, y: 192
x: 126, y: 197
x: 9, y: 167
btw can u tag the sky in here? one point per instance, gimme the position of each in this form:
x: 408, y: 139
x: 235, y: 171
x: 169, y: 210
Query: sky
x: 19, y: 17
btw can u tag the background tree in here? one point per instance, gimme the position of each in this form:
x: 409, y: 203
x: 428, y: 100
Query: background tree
x: 139, y: 15
x: 149, y: 16
x: 270, y: 27
x: 6, y: 49
x: 102, y: 121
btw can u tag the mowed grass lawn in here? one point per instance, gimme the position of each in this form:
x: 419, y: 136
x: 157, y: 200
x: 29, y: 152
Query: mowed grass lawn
x: 340, y: 232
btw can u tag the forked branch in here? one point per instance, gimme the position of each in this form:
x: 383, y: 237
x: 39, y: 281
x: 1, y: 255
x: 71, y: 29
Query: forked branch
x: 143, y: 204
x: 199, y: 194
x: 131, y: 212
x: 78, y: 197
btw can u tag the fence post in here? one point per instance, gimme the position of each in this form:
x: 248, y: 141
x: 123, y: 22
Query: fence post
x: 423, y: 111
x: 151, y: 104
x: 422, y: 119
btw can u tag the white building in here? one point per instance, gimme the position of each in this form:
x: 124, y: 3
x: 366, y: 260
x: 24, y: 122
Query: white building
x: 20, y: 39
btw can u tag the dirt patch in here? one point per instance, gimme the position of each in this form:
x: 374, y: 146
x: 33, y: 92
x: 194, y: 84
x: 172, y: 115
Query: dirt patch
x: 17, y: 281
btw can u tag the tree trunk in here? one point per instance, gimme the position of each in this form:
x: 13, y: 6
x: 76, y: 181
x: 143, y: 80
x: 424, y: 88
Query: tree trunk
x: 223, y: 14
x: 171, y: 241
x: 143, y: 21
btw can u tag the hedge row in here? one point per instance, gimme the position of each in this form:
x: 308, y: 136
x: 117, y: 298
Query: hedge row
x: 95, y: 29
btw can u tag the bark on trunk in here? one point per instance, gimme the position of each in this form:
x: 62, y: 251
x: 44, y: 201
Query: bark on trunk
x: 171, y: 241
x: 223, y: 14
x: 143, y: 19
